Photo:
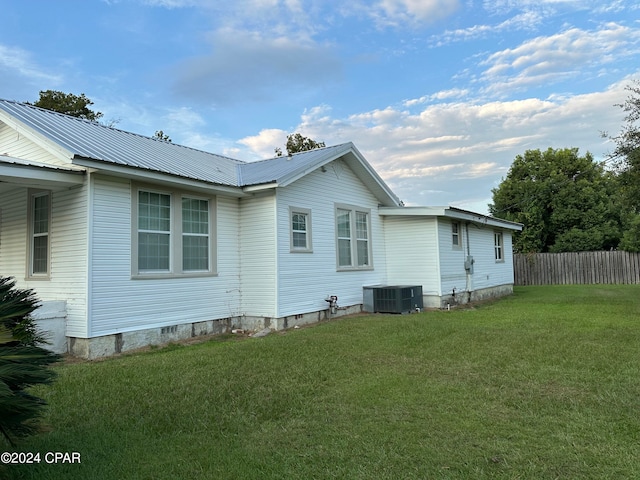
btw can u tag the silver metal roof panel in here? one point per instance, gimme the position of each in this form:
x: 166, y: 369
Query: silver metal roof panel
x: 90, y: 140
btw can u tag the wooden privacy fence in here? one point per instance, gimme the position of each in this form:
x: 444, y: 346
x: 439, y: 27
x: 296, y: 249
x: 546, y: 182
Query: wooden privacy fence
x: 576, y: 268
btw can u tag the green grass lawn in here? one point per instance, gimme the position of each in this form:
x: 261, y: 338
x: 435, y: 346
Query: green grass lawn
x: 543, y: 384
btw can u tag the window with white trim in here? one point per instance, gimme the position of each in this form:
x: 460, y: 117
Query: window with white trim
x: 300, y: 223
x: 173, y: 233
x: 39, y: 232
x: 455, y: 234
x: 353, y: 238
x: 498, y: 246
x: 154, y: 232
x: 195, y: 235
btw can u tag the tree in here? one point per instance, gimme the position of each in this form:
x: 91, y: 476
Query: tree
x: 565, y: 201
x: 160, y: 135
x: 67, y: 103
x: 626, y: 162
x: 23, y: 363
x: 299, y: 143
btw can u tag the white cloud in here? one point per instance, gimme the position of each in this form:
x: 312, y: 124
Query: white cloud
x: 548, y: 59
x: 265, y: 142
x: 471, y: 143
x: 403, y: 12
x: 528, y: 20
x: 18, y: 62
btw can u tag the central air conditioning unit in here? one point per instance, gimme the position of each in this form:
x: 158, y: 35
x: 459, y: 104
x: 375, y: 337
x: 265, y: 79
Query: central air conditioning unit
x: 392, y: 298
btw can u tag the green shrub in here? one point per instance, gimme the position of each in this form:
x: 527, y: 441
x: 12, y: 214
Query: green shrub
x: 23, y: 362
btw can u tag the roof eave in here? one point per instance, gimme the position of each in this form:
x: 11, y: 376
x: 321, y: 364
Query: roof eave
x: 451, y: 212
x: 41, y: 176
x: 152, y: 176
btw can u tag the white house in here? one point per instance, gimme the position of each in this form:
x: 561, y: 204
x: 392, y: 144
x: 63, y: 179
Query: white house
x: 130, y: 240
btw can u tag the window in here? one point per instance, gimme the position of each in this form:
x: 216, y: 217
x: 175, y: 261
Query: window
x: 300, y: 221
x: 195, y: 235
x: 154, y: 232
x: 455, y: 234
x: 498, y: 246
x: 353, y: 232
x: 174, y: 234
x: 39, y: 228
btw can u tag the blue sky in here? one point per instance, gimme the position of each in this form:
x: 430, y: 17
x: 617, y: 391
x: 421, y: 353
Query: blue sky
x: 439, y: 95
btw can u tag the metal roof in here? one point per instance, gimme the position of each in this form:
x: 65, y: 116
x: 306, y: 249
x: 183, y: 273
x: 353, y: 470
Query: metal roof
x: 90, y: 140
x: 87, y: 143
x: 279, y: 169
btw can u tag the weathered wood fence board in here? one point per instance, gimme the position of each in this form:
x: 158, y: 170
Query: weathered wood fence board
x: 576, y: 268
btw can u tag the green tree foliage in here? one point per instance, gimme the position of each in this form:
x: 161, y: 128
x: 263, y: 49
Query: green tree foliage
x: 23, y: 363
x: 160, y: 135
x: 563, y: 199
x: 626, y: 161
x: 299, y: 143
x: 68, y: 103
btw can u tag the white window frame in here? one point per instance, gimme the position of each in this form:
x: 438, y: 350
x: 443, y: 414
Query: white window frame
x: 353, y: 238
x: 31, y: 273
x: 308, y: 247
x: 206, y: 235
x: 456, y: 236
x: 176, y: 234
x: 498, y: 246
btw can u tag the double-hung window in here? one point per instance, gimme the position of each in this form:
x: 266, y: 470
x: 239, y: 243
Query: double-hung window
x: 39, y: 232
x: 300, y: 222
x: 455, y: 234
x: 353, y: 238
x: 174, y: 233
x: 154, y: 232
x: 195, y: 235
x: 498, y: 246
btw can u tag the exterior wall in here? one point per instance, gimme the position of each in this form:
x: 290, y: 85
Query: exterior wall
x: 412, y: 254
x: 489, y: 276
x: 258, y: 264
x: 68, y: 244
x: 120, y: 304
x: 452, y: 272
x: 306, y: 279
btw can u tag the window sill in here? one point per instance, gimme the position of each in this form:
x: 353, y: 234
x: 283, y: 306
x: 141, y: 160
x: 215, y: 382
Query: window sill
x: 31, y: 278
x: 166, y: 276
x: 354, y: 269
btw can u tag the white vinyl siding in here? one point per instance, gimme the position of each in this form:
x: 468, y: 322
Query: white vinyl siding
x: 412, y: 253
x: 120, y: 303
x: 257, y: 243
x: 15, y: 144
x: 305, y: 281
x: 67, y: 267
